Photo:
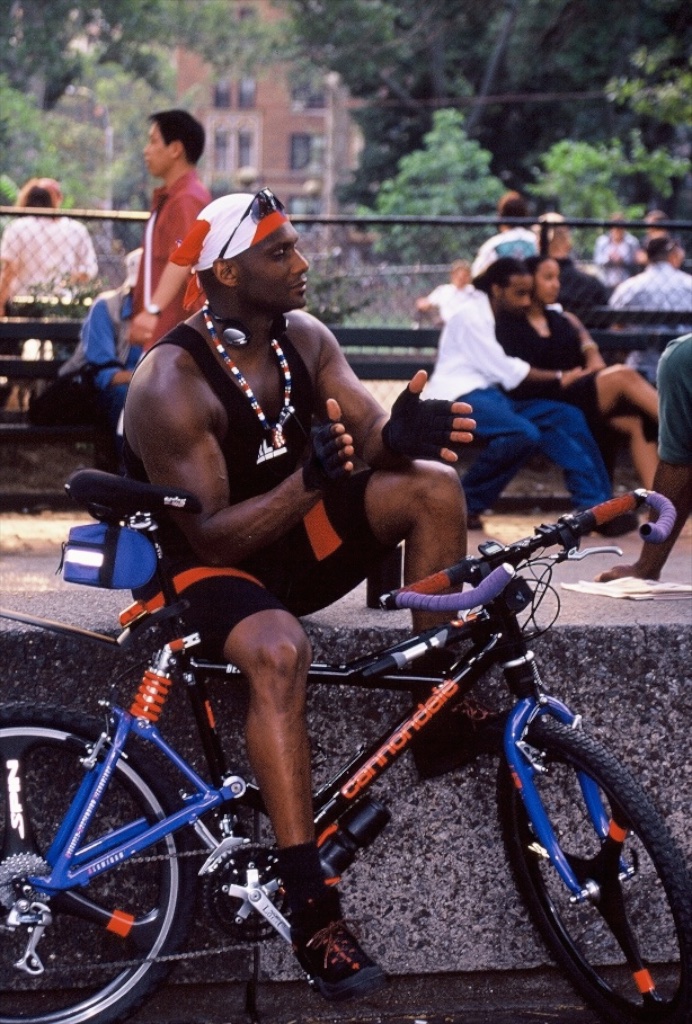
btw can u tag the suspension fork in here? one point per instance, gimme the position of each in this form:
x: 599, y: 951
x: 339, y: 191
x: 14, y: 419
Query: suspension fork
x: 524, y: 681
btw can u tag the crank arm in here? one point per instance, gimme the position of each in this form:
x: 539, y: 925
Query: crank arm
x: 254, y: 898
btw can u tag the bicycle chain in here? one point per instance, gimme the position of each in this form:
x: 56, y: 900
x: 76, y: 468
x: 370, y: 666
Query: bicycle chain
x: 194, y: 954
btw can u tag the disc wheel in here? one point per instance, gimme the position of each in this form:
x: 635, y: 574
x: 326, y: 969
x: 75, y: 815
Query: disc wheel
x: 91, y: 971
x: 628, y: 947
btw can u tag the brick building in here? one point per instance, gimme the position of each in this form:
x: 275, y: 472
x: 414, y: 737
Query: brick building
x: 263, y: 130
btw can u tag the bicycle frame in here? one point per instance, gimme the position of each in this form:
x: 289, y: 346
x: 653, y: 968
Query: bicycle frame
x: 74, y: 865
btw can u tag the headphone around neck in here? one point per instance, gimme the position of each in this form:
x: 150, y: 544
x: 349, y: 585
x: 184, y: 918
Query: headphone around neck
x: 235, y: 334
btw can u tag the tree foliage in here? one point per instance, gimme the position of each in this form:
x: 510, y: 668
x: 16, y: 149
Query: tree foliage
x: 660, y: 86
x: 44, y: 46
x: 20, y: 138
x: 530, y: 73
x: 594, y: 180
x: 525, y: 74
x: 230, y: 37
x: 449, y: 174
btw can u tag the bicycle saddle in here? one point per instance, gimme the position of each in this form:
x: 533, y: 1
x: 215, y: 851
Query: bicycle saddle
x: 105, y: 494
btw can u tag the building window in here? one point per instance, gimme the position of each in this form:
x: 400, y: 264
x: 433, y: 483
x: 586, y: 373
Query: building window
x: 222, y: 94
x: 222, y: 161
x: 308, y: 205
x: 307, y: 97
x: 300, y: 151
x: 245, y: 140
x: 247, y: 88
x: 307, y: 152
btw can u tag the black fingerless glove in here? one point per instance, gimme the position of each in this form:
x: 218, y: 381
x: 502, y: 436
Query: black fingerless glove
x: 324, y: 465
x: 419, y: 429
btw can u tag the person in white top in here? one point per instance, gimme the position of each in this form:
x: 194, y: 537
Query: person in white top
x: 473, y: 367
x: 616, y: 253
x: 446, y: 300
x: 518, y: 241
x: 662, y: 286
x: 43, y: 256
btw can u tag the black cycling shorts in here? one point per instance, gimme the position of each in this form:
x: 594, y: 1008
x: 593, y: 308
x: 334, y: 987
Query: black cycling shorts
x: 311, y: 566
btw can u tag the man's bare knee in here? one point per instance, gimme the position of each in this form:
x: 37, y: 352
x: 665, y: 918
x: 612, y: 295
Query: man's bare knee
x: 434, y: 487
x: 278, y: 674
x: 424, y: 499
x: 273, y: 652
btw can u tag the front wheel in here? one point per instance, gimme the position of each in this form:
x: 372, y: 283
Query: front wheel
x: 627, y: 948
x: 100, y: 953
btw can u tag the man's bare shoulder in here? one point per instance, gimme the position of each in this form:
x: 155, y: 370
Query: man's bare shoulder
x: 170, y: 397
x: 312, y: 338
x: 165, y: 367
x: 301, y: 323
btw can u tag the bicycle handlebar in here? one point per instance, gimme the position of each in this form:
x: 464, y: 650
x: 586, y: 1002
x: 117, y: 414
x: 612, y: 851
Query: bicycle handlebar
x: 652, y: 533
x: 491, y: 571
x: 486, y: 590
x: 656, y: 533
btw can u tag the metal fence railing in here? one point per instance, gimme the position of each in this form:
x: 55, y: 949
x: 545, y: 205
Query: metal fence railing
x: 357, y: 277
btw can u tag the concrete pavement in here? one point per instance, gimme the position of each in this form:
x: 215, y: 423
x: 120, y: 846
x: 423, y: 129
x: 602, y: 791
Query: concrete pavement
x: 30, y: 553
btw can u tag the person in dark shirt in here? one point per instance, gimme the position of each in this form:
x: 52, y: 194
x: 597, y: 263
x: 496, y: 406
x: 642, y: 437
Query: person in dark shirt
x: 251, y: 404
x: 579, y: 291
x: 614, y: 399
x: 674, y: 473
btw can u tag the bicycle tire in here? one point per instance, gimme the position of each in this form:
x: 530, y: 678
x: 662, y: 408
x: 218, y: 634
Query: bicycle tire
x: 90, y: 973
x: 657, y: 902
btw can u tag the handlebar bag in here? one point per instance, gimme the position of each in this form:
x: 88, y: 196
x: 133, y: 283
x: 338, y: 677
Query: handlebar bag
x: 109, y: 556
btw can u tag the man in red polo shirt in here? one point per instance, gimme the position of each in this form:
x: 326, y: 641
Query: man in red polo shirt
x: 174, y: 146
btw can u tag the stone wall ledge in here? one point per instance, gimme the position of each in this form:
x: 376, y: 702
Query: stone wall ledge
x: 433, y: 894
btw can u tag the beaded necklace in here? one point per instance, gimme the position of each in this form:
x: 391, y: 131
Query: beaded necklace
x: 274, y: 430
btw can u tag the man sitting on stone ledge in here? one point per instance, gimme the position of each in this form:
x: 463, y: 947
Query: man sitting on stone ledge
x: 251, y: 405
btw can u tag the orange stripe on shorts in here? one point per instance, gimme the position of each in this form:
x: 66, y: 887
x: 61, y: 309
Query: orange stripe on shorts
x: 323, y: 538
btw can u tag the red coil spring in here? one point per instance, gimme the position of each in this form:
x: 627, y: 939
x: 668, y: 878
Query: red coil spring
x: 151, y: 696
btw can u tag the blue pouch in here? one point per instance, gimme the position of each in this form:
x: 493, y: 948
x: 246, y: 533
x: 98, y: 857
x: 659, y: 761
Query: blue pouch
x: 113, y: 557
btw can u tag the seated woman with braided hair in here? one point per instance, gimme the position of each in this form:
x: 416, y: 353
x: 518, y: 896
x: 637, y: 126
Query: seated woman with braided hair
x: 614, y: 399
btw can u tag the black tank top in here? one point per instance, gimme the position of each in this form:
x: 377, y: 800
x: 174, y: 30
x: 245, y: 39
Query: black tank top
x: 254, y: 467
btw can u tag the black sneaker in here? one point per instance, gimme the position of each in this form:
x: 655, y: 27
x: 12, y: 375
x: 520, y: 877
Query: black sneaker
x: 335, y: 963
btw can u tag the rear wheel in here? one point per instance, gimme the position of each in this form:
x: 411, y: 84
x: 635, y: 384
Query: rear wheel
x: 628, y: 949
x: 97, y: 958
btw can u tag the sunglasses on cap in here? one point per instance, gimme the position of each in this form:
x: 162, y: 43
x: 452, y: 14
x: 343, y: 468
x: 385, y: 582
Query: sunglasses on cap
x: 262, y: 205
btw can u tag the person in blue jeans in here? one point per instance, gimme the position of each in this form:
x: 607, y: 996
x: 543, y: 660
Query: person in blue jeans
x: 473, y: 367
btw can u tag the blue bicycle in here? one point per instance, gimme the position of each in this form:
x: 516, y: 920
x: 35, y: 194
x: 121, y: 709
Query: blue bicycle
x: 109, y: 835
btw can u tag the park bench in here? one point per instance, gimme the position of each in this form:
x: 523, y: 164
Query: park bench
x: 375, y: 353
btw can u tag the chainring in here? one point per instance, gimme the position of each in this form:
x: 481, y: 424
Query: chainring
x: 222, y: 909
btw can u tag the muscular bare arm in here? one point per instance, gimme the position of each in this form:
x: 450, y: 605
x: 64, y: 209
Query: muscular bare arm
x: 173, y: 423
